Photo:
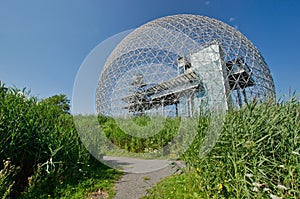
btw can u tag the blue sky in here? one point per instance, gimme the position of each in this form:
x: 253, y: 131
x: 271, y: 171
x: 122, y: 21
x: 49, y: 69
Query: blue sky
x: 44, y: 42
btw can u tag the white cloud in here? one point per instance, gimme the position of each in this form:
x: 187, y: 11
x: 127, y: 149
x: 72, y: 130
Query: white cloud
x: 231, y: 19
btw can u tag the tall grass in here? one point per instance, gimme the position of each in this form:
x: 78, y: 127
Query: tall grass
x: 257, y: 156
x: 137, y: 143
x: 42, y: 156
x: 40, y: 147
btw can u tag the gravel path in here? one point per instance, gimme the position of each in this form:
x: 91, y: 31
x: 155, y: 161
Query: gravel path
x: 140, y: 174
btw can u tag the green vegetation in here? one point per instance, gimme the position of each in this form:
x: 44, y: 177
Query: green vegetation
x: 42, y: 154
x: 257, y: 156
x: 138, y: 144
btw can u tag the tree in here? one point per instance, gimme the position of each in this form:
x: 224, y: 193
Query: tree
x: 60, y: 101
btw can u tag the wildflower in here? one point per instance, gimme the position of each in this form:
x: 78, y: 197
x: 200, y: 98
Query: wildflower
x: 275, y: 197
x: 79, y: 170
x: 281, y: 187
x: 255, y: 189
x: 295, y: 153
x: 29, y: 179
x: 256, y: 184
x: 249, y: 175
x: 281, y: 166
x: 266, y: 189
x: 198, y: 169
x: 220, y: 186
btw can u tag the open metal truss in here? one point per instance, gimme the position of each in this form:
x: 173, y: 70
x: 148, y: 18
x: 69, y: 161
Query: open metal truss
x: 172, y: 65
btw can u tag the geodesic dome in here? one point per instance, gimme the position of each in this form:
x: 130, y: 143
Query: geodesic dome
x: 173, y: 64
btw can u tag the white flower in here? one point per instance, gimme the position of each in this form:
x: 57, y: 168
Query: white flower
x: 281, y: 187
x: 295, y: 153
x: 79, y: 170
x: 275, y: 197
x: 281, y: 166
x: 266, y: 189
x: 256, y: 184
x: 255, y: 189
x: 249, y: 175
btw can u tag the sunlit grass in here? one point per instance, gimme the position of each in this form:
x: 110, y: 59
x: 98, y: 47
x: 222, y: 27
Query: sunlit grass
x: 43, y: 156
x: 257, y: 156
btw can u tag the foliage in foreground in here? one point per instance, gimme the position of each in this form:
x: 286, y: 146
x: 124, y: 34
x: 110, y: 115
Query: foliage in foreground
x: 42, y: 154
x: 257, y: 156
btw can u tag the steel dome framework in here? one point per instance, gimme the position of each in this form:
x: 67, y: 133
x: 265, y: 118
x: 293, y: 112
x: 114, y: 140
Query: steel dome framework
x: 174, y: 64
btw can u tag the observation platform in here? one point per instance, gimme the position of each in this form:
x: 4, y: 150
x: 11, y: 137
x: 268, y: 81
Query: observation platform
x: 164, y: 94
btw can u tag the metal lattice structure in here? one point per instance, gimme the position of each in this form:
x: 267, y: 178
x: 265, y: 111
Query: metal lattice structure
x: 173, y: 64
